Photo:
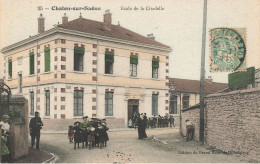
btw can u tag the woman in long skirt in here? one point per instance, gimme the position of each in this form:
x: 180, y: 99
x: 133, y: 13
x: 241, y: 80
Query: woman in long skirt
x: 141, y: 127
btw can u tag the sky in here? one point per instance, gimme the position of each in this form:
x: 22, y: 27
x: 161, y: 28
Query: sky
x: 178, y: 25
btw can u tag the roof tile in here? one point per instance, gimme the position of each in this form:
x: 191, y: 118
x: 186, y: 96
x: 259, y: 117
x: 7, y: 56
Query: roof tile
x: 193, y: 86
x: 113, y: 31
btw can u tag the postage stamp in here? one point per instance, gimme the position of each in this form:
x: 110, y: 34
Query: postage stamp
x: 227, y: 49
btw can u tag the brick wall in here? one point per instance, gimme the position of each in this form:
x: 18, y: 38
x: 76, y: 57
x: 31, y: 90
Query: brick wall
x: 63, y: 124
x: 233, y: 122
x: 192, y: 114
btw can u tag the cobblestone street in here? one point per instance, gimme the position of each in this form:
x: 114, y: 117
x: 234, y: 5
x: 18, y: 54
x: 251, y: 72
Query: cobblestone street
x: 162, y: 145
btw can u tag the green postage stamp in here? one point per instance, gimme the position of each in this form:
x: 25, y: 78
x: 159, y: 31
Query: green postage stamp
x: 227, y: 49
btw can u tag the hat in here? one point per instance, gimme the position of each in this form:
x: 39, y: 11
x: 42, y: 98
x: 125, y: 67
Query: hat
x: 76, y: 122
x: 187, y: 120
x: 5, y: 116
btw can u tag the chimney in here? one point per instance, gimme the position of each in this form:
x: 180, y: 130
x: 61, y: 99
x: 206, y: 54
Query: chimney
x: 41, y: 24
x: 150, y: 36
x: 65, y: 19
x: 107, y: 17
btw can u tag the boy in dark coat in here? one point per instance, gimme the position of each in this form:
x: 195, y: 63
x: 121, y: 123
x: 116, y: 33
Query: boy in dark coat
x: 77, y: 134
x: 100, y: 135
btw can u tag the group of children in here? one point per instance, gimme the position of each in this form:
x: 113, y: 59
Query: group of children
x: 91, y: 133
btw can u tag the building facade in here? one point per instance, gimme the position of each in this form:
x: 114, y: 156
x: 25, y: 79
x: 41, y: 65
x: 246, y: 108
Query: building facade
x: 185, y: 93
x: 88, y: 68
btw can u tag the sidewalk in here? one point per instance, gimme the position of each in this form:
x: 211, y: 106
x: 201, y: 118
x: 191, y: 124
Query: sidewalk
x: 35, y: 156
x: 195, y: 150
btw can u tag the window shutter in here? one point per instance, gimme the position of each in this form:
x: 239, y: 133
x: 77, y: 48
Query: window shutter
x: 155, y: 62
x: 31, y: 61
x: 133, y: 59
x: 10, y: 67
x: 109, y: 56
x: 47, y: 60
x: 79, y: 50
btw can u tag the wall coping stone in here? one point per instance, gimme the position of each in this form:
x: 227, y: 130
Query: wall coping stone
x: 191, y: 108
x: 252, y: 90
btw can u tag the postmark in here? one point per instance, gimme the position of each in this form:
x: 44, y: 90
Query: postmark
x: 227, y: 50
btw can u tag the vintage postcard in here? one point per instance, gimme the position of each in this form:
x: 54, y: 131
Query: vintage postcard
x: 129, y: 81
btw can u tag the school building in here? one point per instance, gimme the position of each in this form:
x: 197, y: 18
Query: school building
x: 88, y: 68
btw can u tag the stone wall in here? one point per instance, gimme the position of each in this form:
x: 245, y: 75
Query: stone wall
x: 192, y: 114
x: 18, y: 142
x: 233, y: 122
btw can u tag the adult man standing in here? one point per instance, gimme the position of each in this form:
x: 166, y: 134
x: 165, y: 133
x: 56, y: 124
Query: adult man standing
x: 35, y: 128
x: 189, y: 130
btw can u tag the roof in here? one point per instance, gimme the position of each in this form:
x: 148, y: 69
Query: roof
x: 193, y: 86
x: 99, y: 29
x: 114, y: 31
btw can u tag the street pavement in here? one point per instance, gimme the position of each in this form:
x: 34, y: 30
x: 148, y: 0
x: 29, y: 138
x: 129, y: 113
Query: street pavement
x: 164, y: 145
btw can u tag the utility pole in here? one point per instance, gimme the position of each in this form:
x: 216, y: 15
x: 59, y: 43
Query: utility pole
x: 202, y: 72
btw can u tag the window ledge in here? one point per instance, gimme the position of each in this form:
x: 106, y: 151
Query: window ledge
x: 46, y: 72
x: 110, y: 117
x: 46, y: 117
x: 79, y: 72
x: 112, y: 75
x: 31, y: 75
x: 9, y: 79
x: 134, y: 77
x: 77, y: 117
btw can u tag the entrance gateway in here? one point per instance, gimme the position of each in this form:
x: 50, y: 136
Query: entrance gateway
x: 133, y: 107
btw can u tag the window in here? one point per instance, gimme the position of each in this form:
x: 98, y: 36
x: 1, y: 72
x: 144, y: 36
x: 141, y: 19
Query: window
x: 10, y: 68
x: 78, y: 103
x: 155, y: 66
x: 185, y: 101
x: 133, y: 70
x: 63, y: 41
x: 31, y: 63
x: 173, y: 104
x: 47, y: 103
x: 155, y: 104
x: 78, y: 58
x: 155, y: 73
x: 133, y: 65
x: 109, y: 61
x: 109, y: 104
x: 47, y: 59
x: 108, y: 68
x: 32, y: 103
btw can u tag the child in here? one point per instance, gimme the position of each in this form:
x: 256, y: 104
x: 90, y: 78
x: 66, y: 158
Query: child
x: 70, y: 134
x: 104, y: 125
x: 5, y: 150
x: 77, y: 134
x: 83, y: 128
x: 91, y: 136
x: 101, y: 135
